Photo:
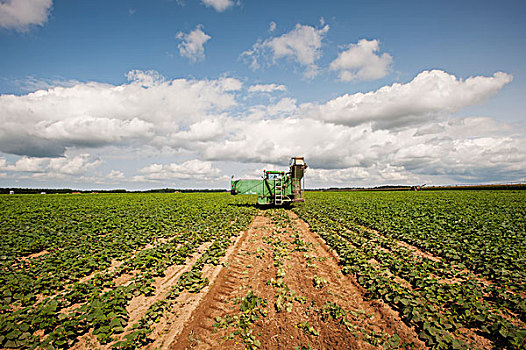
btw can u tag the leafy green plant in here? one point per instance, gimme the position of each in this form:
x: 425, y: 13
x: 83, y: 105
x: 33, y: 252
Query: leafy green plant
x: 307, y: 328
x: 251, y: 308
x: 475, y: 235
x: 77, y: 239
x: 319, y: 282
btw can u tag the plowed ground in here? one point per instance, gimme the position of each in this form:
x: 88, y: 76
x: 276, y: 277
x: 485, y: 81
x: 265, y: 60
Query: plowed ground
x: 281, y: 288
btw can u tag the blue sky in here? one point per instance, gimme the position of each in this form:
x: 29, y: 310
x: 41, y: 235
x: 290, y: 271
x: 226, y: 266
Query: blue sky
x: 144, y: 94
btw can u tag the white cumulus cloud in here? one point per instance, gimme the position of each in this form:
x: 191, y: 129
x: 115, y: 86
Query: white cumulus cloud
x: 423, y: 98
x: 116, y: 175
x: 361, y: 61
x: 402, y: 133
x: 266, y: 88
x: 59, y: 166
x: 21, y: 14
x: 87, y: 130
x: 302, y: 45
x: 191, y: 169
x: 26, y: 164
x: 211, y: 129
x: 47, y: 122
x: 360, y: 155
x: 218, y: 5
x: 72, y: 165
x: 192, y: 44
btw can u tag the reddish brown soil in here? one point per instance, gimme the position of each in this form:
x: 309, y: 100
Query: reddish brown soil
x: 270, y: 249
x: 248, y: 269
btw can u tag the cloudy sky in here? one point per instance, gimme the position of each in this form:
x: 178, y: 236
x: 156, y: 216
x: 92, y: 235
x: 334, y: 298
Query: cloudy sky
x: 185, y: 93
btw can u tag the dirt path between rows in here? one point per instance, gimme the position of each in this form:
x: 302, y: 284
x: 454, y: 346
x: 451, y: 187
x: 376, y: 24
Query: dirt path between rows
x: 281, y: 288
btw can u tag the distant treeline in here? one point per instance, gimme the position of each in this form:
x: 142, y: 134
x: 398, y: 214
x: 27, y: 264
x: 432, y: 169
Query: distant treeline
x: 174, y: 190
x: 478, y: 187
x: 68, y: 190
x: 426, y: 188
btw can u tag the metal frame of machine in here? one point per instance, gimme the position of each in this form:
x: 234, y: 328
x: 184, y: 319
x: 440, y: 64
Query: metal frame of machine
x: 276, y: 187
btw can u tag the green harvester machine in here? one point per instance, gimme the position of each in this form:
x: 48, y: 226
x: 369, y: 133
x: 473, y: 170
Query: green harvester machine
x: 276, y: 187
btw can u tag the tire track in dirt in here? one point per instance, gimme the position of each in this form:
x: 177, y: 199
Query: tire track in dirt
x: 471, y: 336
x: 349, y: 292
x: 172, y: 322
x: 199, y: 332
x: 178, y: 307
x: 280, y: 264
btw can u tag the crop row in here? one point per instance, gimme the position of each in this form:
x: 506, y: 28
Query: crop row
x: 48, y: 301
x: 484, y: 231
x: 330, y: 311
x: 437, y: 296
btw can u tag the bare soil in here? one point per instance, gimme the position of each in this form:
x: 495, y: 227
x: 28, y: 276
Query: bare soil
x: 35, y: 255
x: 263, y: 254
x: 294, y: 275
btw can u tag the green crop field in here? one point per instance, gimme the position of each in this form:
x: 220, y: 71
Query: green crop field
x: 81, y: 235
x: 474, y: 275
x: 449, y: 262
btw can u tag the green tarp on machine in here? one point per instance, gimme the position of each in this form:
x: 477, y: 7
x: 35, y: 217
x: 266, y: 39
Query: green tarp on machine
x: 276, y: 187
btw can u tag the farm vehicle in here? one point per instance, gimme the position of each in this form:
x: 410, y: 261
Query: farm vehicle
x: 277, y: 188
